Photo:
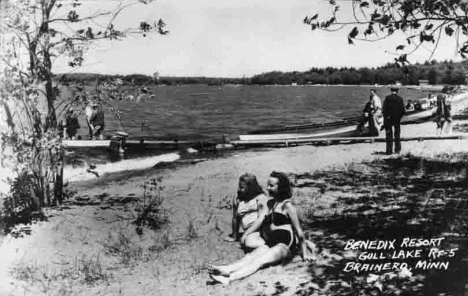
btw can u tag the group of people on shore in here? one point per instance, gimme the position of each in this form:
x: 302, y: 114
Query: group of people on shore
x: 266, y: 225
x: 94, y: 118
x: 389, y: 114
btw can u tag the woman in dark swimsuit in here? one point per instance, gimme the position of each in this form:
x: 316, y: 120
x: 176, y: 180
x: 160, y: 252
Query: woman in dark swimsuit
x: 279, y: 225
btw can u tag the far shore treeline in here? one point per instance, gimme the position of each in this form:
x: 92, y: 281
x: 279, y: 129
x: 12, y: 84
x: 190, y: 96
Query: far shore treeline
x: 433, y: 73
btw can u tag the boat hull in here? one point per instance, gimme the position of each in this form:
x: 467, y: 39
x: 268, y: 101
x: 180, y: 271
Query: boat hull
x: 337, y: 129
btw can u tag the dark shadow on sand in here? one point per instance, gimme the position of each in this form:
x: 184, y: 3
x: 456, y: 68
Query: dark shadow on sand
x: 394, y: 198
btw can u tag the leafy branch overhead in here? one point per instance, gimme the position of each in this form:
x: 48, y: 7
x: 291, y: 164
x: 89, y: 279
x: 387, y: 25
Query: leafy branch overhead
x: 422, y: 22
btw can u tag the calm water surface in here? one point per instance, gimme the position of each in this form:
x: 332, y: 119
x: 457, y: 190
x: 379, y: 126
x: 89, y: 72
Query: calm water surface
x: 203, y: 112
x: 208, y: 112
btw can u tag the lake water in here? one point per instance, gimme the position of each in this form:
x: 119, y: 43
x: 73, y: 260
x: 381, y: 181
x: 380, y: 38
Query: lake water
x: 200, y: 112
x: 207, y: 112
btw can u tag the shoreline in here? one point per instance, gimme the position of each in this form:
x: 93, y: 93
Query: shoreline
x: 95, y: 229
x: 197, y: 194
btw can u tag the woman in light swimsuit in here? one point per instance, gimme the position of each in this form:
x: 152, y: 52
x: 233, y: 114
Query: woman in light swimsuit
x: 250, y: 201
x: 279, y: 226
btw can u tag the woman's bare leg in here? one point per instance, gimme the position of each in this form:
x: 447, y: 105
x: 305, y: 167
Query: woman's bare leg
x: 254, y: 241
x: 273, y: 255
x: 245, y: 261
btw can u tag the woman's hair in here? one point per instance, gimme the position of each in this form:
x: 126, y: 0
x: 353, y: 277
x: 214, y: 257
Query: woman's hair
x: 253, y: 188
x: 284, y: 185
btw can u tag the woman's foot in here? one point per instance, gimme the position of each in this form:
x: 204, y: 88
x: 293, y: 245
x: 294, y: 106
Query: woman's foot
x: 230, y: 238
x: 224, y: 280
x: 219, y: 270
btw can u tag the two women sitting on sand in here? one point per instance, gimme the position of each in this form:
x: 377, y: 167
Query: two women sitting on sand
x: 278, y: 229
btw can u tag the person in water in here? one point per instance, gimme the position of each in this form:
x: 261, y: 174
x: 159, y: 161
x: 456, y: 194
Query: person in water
x: 247, y: 205
x: 279, y: 228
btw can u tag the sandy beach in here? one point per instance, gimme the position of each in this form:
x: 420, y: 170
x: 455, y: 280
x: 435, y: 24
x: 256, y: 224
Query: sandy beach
x: 89, y: 245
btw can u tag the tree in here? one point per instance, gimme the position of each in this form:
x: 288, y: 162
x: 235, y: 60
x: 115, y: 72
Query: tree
x: 421, y: 21
x: 433, y: 76
x: 35, y: 33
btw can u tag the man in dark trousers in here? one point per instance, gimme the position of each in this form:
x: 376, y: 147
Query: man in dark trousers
x: 393, y: 111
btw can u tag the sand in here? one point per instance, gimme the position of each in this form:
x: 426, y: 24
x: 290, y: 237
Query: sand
x: 90, y: 247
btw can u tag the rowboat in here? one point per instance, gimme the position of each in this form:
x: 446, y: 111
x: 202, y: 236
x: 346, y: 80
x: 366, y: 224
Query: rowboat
x: 335, y: 129
x: 338, y: 129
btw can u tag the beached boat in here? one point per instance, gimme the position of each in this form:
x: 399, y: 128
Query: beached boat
x: 336, y: 129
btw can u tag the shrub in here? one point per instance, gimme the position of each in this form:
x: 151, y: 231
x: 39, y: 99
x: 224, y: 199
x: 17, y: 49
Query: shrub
x: 150, y: 212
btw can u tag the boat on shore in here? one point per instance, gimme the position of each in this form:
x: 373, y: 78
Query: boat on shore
x: 345, y: 128
x: 337, y: 129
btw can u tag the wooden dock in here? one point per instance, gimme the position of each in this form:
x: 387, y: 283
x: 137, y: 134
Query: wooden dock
x: 340, y: 140
x: 133, y: 144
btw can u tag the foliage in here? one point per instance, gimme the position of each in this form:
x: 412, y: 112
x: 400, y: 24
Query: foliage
x: 21, y: 205
x: 435, y: 72
x: 140, y: 79
x: 35, y: 34
x: 150, y: 212
x: 422, y: 22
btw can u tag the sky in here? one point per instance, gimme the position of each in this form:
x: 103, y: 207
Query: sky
x: 236, y: 38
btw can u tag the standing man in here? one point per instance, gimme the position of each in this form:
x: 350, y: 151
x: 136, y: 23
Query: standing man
x: 393, y: 111
x: 97, y: 122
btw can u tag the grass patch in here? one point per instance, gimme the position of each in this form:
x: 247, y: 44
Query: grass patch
x: 84, y: 270
x: 123, y: 248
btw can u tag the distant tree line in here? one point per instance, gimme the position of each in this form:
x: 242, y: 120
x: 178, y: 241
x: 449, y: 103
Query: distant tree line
x: 140, y: 79
x: 446, y: 72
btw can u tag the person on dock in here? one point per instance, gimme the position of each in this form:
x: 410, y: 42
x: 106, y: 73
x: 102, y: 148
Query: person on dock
x: 444, y: 111
x: 393, y: 111
x: 90, y: 110
x: 97, y: 122
x: 278, y: 226
x: 71, y: 124
x: 249, y: 204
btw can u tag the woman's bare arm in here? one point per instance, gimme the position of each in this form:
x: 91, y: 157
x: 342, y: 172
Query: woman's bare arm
x: 262, y: 212
x: 292, y: 213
